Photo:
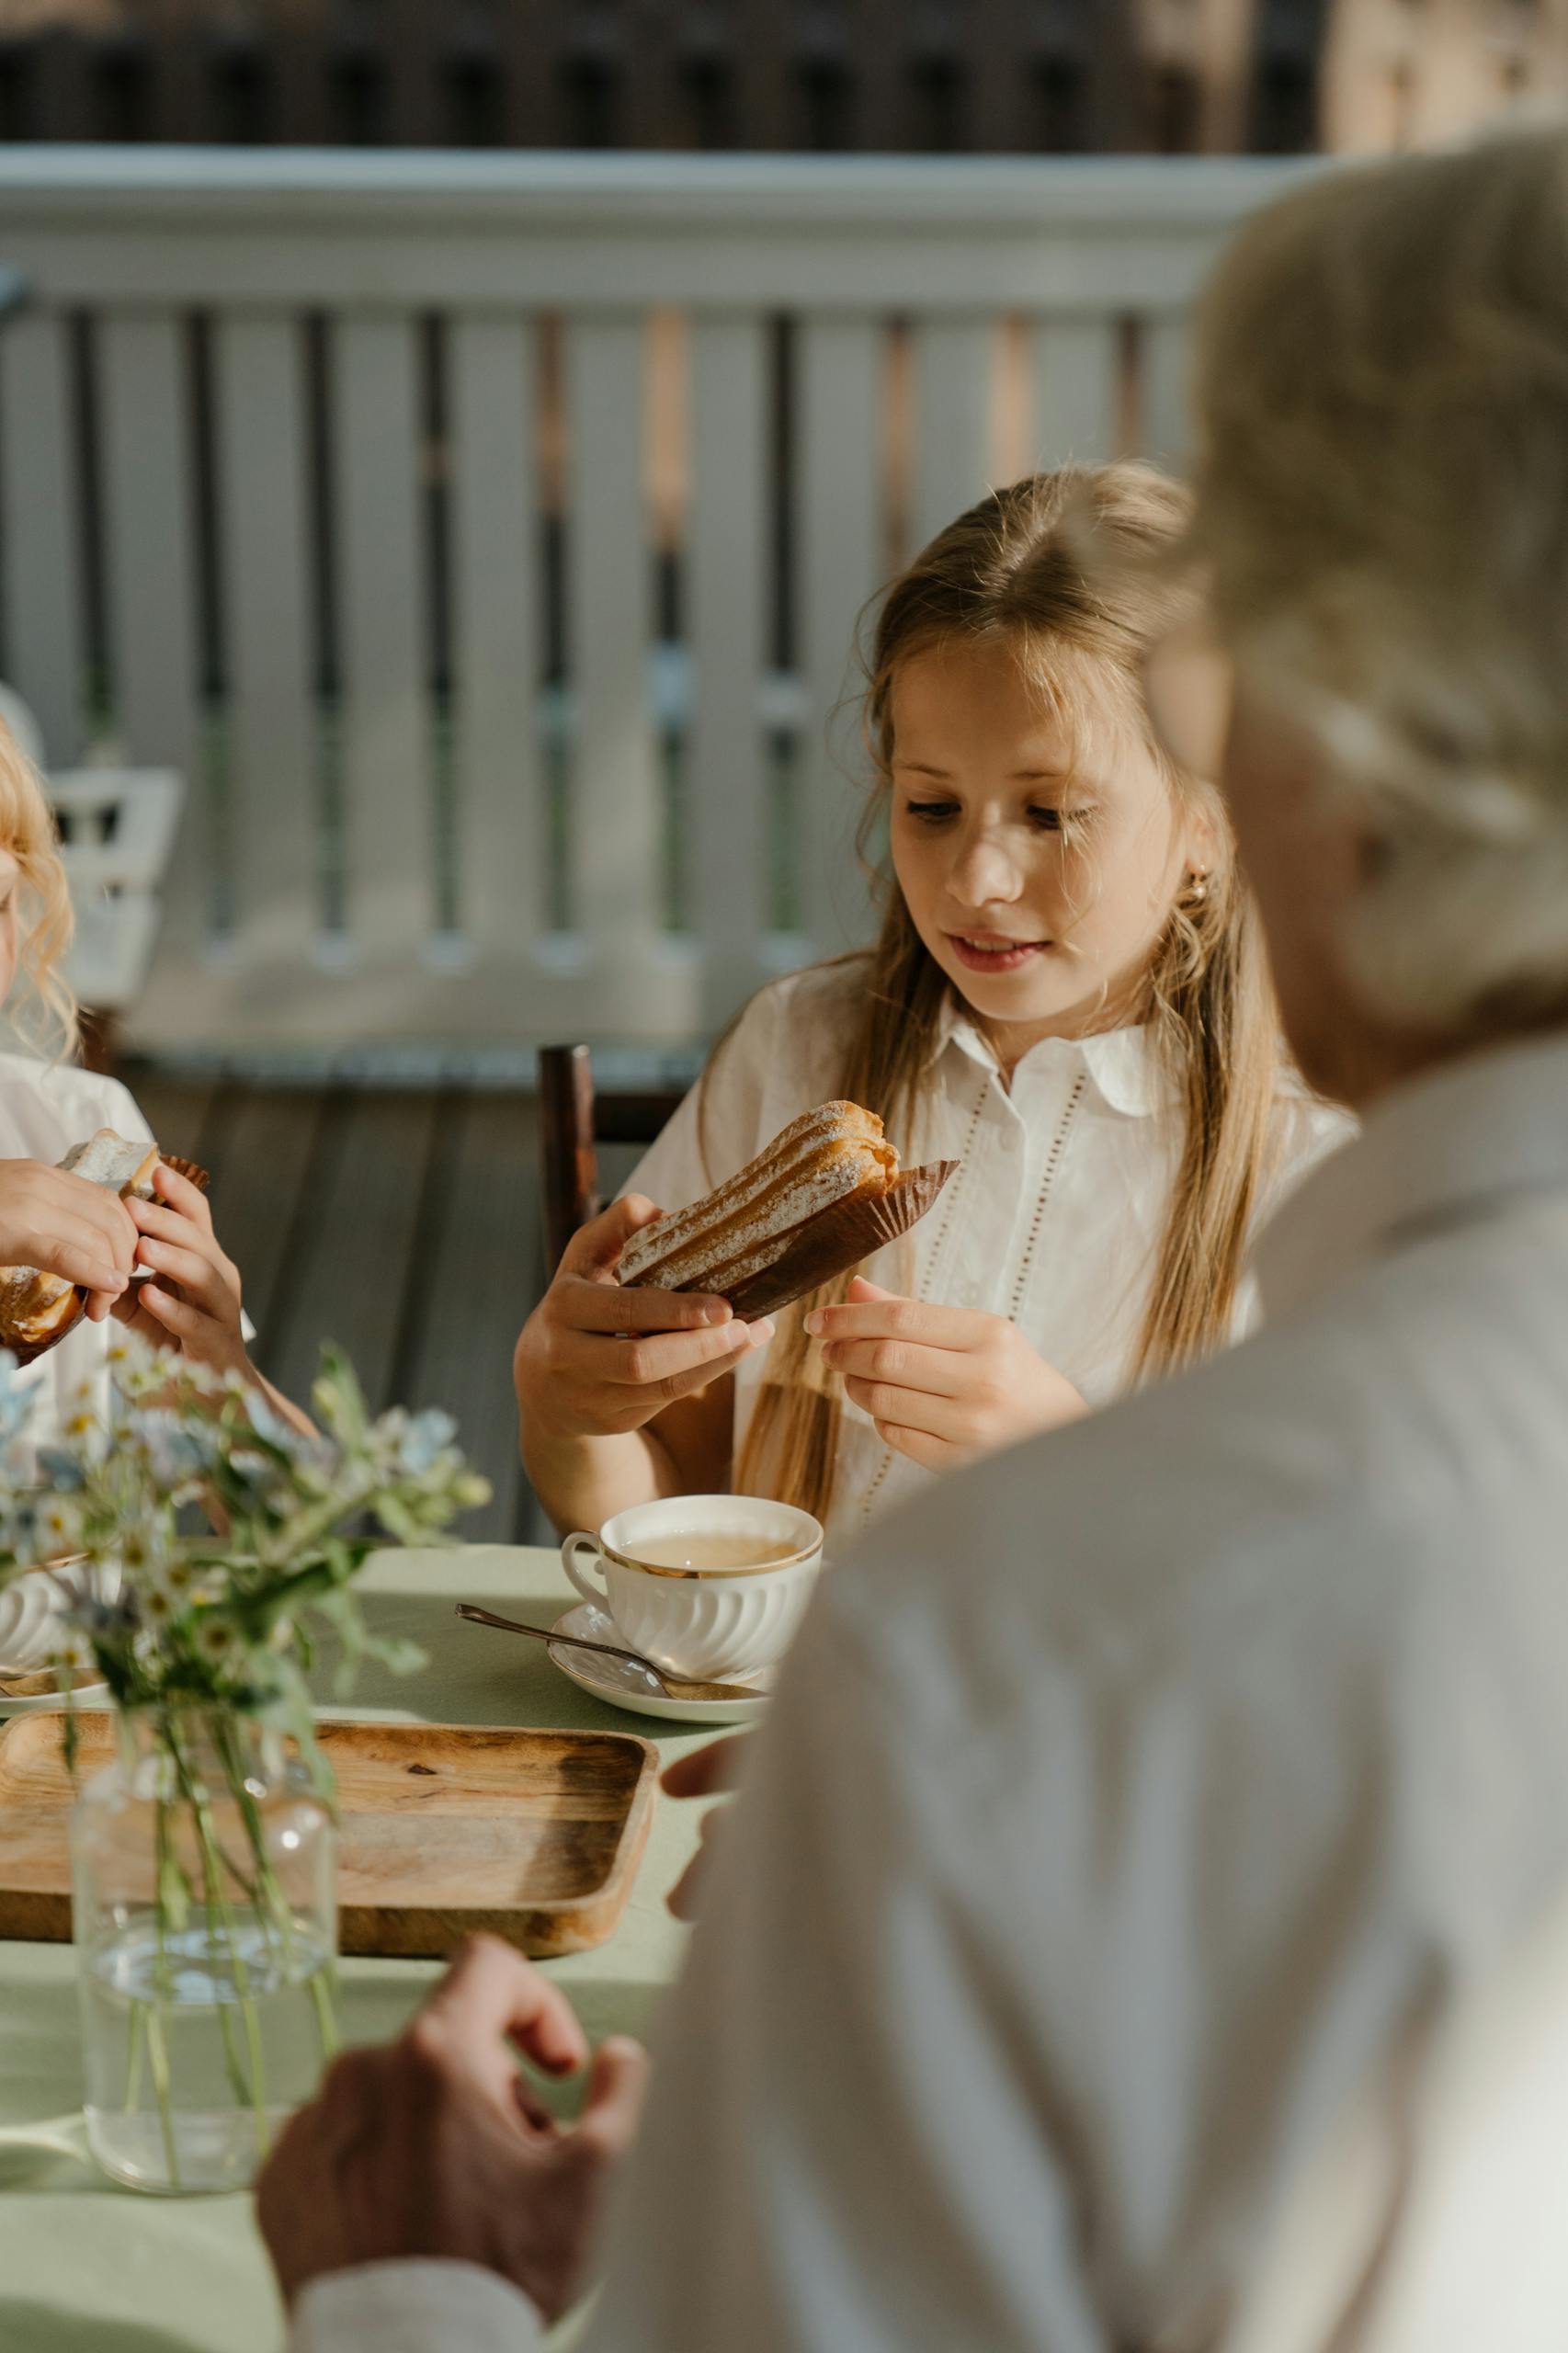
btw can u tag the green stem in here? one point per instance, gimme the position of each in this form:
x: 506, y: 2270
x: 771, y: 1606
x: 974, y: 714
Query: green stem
x: 222, y: 1929
x: 323, y: 1995
x: 134, y: 2057
x: 158, y: 2053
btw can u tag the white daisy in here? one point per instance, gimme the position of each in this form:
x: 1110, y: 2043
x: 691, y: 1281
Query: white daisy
x: 74, y: 1652
x: 58, y: 1527
x: 218, y: 1642
x: 144, y: 1553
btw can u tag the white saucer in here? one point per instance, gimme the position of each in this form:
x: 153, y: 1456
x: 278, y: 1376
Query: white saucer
x: 25, y: 1703
x: 624, y: 1686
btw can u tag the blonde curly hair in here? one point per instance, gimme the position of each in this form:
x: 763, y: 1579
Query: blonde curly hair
x: 1383, y: 501
x: 47, y: 1016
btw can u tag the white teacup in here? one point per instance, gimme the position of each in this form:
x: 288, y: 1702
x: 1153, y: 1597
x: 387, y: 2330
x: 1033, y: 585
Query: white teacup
x: 703, y: 1605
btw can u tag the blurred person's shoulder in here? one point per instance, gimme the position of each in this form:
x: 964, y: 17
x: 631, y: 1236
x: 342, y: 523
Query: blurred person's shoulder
x: 1304, y: 1129
x: 1316, y: 1504
x: 45, y: 1108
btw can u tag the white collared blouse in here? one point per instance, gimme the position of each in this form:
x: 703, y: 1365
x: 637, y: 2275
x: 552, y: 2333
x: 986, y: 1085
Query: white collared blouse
x: 1053, y: 1218
x: 44, y: 1110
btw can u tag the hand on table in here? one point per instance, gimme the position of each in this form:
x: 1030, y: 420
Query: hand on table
x: 594, y: 1360
x: 434, y: 2146
x: 943, y: 1385
x: 54, y: 1220
x: 192, y: 1296
x: 704, y: 1774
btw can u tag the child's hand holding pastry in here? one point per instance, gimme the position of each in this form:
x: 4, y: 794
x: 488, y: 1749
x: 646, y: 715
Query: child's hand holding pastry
x: 59, y: 1223
x: 595, y: 1361
x: 192, y: 1294
x: 943, y: 1385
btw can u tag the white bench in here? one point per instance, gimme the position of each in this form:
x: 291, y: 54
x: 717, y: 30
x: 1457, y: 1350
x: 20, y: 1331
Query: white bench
x: 117, y: 834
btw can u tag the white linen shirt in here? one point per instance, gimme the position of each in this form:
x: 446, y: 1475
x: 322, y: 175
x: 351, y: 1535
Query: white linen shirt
x: 1053, y: 1217
x: 1066, y: 1911
x: 44, y: 1110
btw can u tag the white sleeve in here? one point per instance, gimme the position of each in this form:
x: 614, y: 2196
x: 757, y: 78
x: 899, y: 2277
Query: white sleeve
x: 1306, y: 1129
x: 424, y: 2307
x: 719, y: 1126
x: 123, y: 1113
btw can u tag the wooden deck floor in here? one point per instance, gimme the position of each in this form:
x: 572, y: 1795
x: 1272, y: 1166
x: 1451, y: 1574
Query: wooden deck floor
x: 403, y: 1223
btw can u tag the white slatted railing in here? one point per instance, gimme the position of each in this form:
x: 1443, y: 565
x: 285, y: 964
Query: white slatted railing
x: 331, y: 480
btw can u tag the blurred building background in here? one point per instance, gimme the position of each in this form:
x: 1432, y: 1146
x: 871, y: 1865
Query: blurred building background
x: 812, y: 76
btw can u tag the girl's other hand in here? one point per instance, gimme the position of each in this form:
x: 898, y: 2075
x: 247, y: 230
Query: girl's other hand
x: 595, y: 1361
x: 942, y: 1384
x: 192, y: 1295
x: 53, y: 1220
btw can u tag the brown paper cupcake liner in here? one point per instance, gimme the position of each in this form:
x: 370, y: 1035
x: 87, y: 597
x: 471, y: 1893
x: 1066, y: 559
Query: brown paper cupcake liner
x: 839, y: 1238
x: 191, y: 1170
x: 28, y: 1351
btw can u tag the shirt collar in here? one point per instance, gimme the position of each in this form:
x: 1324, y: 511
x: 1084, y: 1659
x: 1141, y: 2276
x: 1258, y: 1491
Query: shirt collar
x: 1432, y: 1151
x: 1123, y: 1064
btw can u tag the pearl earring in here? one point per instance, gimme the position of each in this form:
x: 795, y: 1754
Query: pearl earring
x: 1196, y: 890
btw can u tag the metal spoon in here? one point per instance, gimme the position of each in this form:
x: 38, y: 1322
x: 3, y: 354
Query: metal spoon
x: 673, y: 1687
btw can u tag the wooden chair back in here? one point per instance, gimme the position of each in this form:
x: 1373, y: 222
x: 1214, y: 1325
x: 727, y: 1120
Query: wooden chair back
x: 575, y: 1119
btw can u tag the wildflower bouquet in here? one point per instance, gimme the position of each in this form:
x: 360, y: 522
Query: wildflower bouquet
x: 206, y: 1547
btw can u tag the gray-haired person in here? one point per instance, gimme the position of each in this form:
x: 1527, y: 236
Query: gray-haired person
x: 1158, y: 1792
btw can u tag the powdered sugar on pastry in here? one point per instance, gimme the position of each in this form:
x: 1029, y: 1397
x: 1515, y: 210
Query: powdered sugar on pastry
x: 835, y: 1154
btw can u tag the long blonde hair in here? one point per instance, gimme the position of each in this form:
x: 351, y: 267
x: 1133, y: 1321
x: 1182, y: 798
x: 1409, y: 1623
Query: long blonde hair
x: 1012, y: 571
x: 49, y: 1021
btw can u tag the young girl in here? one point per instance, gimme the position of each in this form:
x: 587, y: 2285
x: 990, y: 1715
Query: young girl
x: 1068, y: 996
x: 53, y: 1220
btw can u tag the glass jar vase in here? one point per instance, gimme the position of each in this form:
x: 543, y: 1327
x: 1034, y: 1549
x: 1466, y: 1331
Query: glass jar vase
x: 204, y: 1872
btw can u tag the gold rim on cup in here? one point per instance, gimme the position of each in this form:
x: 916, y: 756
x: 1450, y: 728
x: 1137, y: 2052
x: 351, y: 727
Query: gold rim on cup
x: 654, y: 1569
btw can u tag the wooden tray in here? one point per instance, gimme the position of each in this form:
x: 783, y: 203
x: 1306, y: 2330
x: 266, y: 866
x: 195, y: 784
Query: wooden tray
x: 444, y: 1829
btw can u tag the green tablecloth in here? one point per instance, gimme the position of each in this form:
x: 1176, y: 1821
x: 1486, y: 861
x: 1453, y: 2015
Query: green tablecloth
x: 97, y: 2269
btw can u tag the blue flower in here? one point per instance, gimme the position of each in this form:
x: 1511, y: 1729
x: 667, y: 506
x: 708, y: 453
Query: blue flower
x: 269, y: 1425
x: 60, y: 1470
x: 426, y: 1436
x: 175, y: 1450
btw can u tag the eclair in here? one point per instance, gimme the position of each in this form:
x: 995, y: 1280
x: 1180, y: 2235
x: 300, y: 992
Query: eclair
x: 37, y: 1309
x: 824, y: 1194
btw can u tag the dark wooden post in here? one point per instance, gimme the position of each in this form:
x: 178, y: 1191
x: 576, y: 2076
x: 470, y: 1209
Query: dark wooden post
x: 570, y: 1161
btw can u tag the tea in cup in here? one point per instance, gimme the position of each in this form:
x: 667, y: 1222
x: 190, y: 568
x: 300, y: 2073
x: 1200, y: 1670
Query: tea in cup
x: 710, y: 1586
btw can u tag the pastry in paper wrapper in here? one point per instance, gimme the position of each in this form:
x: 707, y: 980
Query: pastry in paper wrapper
x: 36, y: 1309
x: 824, y: 1194
x: 839, y: 1238
x: 191, y: 1170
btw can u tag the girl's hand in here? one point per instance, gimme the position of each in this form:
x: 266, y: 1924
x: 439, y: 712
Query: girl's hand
x: 943, y: 1385
x: 51, y: 1219
x: 192, y: 1297
x: 595, y: 1361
